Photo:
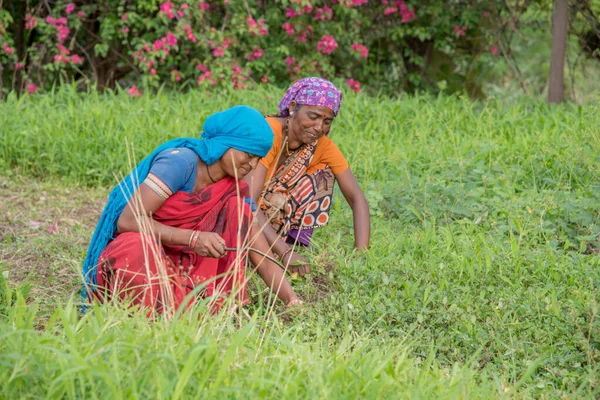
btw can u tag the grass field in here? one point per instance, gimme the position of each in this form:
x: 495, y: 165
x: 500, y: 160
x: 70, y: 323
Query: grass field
x: 482, y: 280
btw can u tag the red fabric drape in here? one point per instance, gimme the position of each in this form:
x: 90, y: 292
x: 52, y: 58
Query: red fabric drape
x: 158, y: 277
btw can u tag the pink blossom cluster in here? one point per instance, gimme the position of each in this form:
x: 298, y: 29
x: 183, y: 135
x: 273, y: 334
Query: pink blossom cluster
x: 494, y: 50
x: 401, y: 8
x: 323, y: 14
x: 362, y: 51
x: 31, y: 88
x: 134, y: 92
x: 176, y: 75
x: 70, y: 8
x: 7, y: 49
x: 256, y: 54
x: 291, y: 13
x: 290, y: 61
x: 354, y: 85
x: 290, y: 29
x: 206, y: 75
x: 190, y: 35
x: 166, y: 8
x: 257, y: 29
x: 30, y: 22
x: 304, y: 34
x: 238, y: 77
x: 64, y: 58
x: 327, y: 44
x: 460, y: 30
x: 62, y: 29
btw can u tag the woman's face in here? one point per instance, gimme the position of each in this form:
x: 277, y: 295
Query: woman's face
x: 309, y: 123
x: 238, y: 163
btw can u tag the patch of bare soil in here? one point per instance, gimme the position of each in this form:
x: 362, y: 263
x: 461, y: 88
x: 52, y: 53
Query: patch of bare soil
x: 45, y: 226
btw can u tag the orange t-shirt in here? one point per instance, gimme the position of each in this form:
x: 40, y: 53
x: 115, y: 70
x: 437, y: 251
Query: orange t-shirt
x: 326, y: 153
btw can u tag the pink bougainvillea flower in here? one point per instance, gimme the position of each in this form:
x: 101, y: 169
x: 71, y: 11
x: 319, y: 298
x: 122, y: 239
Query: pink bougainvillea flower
x: 170, y: 39
x: 167, y: 9
x: 76, y: 59
x: 80, y: 14
x: 251, y: 21
x: 362, y: 51
x: 19, y: 65
x: 134, y: 92
x: 176, y: 75
x: 124, y: 17
x: 203, y: 6
x: 354, y: 85
x: 7, y: 49
x: 290, y: 13
x: 494, y: 50
x: 30, y: 22
x: 460, y: 30
x: 289, y: 61
x: 158, y: 45
x: 290, y: 29
x: 406, y: 13
x: 323, y: 14
x: 63, y: 50
x: 486, y: 14
x: 264, y: 79
x: 60, y: 21
x: 32, y: 88
x: 70, y: 8
x: 218, y: 52
x: 256, y: 54
x: 327, y: 44
x: 303, y: 35
x: 190, y: 35
x: 125, y: 29
x: 184, y: 6
x: 153, y: 71
x: 390, y: 10
x: 63, y: 33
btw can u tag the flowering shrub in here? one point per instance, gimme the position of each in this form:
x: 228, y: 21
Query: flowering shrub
x: 388, y: 45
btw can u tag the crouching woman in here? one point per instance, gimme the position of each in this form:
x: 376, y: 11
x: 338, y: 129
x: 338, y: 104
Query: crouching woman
x: 180, y: 223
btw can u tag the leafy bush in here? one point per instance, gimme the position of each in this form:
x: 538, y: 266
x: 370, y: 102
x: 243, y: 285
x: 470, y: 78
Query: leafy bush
x: 388, y: 45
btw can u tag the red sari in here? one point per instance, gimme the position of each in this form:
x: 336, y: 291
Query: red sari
x: 137, y: 268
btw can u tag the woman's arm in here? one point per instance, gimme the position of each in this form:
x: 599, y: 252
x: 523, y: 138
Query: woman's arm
x: 271, y: 273
x: 360, y: 208
x: 256, y: 180
x: 137, y: 217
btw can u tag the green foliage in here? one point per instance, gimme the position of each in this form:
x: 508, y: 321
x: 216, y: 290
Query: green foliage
x: 408, y: 45
x: 482, y: 280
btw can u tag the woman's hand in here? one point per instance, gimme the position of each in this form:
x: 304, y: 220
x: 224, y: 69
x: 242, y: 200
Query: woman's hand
x: 210, y: 244
x: 295, y: 263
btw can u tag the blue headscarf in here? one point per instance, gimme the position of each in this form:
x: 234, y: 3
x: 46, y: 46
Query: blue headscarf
x: 242, y: 128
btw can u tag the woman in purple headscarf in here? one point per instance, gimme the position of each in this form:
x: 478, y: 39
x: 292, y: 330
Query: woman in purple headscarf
x: 294, y: 182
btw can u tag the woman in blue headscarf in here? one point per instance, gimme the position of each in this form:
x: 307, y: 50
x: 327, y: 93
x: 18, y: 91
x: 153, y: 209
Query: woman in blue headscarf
x: 179, y: 222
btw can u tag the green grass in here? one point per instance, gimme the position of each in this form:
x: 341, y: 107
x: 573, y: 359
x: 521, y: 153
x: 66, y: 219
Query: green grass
x: 483, y: 277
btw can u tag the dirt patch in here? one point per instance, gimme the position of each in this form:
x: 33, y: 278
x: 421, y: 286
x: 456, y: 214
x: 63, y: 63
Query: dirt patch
x: 44, y: 231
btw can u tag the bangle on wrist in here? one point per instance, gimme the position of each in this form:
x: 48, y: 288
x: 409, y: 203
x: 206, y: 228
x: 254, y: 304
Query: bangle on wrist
x: 193, y: 239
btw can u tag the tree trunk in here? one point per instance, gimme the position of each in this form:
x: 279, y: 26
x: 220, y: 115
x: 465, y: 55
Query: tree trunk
x: 557, y: 58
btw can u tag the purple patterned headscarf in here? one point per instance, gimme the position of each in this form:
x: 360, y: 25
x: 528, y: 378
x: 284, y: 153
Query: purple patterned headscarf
x: 312, y: 92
